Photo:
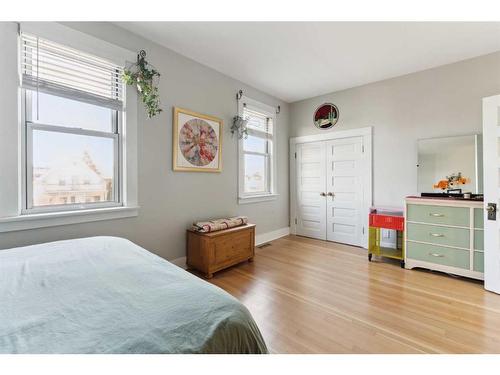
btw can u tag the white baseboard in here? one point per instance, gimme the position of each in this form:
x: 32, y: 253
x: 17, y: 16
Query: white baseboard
x: 259, y: 240
x: 390, y: 245
x: 179, y: 262
x: 270, y: 236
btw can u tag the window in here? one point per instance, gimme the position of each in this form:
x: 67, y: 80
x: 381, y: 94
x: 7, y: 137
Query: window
x: 69, y: 88
x: 72, y: 109
x: 257, y: 152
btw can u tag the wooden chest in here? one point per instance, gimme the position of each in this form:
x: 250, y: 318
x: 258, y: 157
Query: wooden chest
x: 211, y: 252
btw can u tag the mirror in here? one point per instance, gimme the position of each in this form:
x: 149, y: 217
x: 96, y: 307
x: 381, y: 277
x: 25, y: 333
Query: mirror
x: 449, y: 164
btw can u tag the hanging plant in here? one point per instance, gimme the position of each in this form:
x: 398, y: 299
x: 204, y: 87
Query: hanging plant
x: 145, y: 78
x: 240, y: 127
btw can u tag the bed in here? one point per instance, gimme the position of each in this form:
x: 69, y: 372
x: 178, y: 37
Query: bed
x: 108, y: 295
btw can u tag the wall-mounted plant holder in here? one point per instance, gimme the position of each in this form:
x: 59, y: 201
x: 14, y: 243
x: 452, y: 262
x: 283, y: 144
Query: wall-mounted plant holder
x: 239, y: 125
x: 145, y: 78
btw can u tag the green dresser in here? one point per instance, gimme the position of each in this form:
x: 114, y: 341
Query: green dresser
x: 445, y: 235
x: 445, y: 256
x: 457, y: 216
x: 439, y: 235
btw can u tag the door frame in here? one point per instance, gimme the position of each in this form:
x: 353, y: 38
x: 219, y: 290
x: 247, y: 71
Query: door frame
x: 367, y: 134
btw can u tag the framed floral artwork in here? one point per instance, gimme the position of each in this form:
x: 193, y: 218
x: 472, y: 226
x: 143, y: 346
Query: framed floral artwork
x: 197, y: 142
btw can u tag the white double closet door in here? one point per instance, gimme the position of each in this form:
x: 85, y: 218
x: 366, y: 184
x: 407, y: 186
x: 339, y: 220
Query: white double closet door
x: 329, y: 190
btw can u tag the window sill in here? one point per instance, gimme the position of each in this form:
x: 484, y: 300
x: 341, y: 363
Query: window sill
x: 257, y: 198
x: 32, y: 221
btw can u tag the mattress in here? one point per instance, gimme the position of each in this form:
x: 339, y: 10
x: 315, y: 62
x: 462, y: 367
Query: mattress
x: 108, y: 295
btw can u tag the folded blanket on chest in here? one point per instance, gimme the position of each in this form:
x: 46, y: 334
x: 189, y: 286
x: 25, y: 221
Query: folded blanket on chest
x: 219, y: 224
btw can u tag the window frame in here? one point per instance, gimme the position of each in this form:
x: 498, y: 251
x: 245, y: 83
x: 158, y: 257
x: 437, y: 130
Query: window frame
x: 12, y: 139
x: 271, y: 193
x: 28, y: 125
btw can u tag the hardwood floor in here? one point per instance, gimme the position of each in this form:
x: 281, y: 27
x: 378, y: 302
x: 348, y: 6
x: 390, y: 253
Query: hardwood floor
x: 310, y: 296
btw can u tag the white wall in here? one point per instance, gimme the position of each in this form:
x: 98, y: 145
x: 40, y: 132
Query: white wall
x: 438, y: 102
x: 169, y: 200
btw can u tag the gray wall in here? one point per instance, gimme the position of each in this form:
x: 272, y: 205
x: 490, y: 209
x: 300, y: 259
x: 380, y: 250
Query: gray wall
x: 438, y: 102
x: 169, y: 200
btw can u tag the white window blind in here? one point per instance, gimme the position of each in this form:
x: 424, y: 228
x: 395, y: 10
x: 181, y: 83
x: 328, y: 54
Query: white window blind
x: 59, y: 70
x: 258, y: 121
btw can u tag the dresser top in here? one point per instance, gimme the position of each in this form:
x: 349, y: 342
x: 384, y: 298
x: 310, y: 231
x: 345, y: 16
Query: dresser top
x: 456, y: 202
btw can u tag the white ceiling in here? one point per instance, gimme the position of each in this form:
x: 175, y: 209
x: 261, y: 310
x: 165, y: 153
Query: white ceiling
x: 298, y: 60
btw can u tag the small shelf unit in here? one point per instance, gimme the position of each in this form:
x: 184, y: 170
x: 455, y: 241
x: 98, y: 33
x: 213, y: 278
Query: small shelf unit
x: 386, y: 219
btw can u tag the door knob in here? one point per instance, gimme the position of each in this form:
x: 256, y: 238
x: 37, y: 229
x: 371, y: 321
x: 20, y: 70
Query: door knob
x: 330, y: 194
x: 322, y: 194
x: 491, y: 208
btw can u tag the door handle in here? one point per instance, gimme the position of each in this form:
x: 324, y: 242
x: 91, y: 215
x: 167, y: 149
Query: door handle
x: 322, y: 194
x: 436, y: 255
x: 491, y: 208
x: 436, y: 215
x: 330, y: 194
x: 436, y: 234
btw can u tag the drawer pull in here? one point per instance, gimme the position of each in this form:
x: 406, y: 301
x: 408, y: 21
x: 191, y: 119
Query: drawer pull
x: 436, y: 215
x: 436, y: 255
x: 436, y: 234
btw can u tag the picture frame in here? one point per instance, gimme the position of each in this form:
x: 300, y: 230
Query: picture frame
x: 196, y: 142
x: 326, y: 116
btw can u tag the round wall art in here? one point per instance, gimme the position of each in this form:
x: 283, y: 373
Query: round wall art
x: 326, y: 116
x: 197, y: 142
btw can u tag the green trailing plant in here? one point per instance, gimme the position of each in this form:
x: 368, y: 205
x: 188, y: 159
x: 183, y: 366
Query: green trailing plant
x: 144, y: 77
x: 239, y: 127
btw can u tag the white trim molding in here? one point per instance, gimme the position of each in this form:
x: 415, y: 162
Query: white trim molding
x: 50, y: 219
x: 367, y: 134
x: 263, y: 238
x: 366, y: 131
x: 258, y: 198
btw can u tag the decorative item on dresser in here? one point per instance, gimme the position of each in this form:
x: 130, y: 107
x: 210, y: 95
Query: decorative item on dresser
x: 445, y: 234
x: 213, y: 251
